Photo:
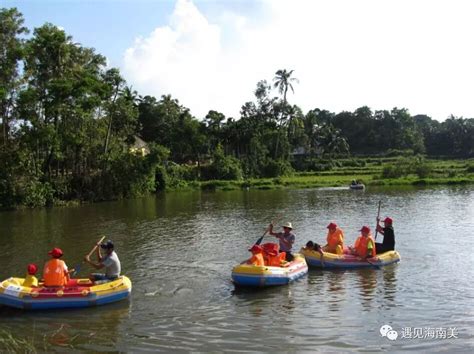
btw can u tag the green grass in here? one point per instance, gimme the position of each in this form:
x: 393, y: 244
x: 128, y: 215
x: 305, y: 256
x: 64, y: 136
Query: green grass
x: 442, y: 172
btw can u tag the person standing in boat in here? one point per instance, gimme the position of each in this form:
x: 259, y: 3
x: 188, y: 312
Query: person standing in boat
x: 364, y: 246
x: 286, y: 239
x: 110, y: 262
x: 334, y: 239
x: 388, y: 233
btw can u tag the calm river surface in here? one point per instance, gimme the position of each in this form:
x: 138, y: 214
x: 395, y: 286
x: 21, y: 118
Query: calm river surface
x: 179, y: 250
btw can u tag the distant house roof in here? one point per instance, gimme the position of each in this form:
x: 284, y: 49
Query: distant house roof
x: 139, y: 146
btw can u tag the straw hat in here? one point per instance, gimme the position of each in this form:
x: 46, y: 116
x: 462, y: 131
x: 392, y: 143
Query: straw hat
x: 287, y: 225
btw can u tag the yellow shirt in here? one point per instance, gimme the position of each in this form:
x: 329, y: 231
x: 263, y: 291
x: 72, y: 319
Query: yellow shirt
x: 30, y: 281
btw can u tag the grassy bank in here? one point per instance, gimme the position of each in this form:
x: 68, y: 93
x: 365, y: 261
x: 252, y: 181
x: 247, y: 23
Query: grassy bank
x: 373, y: 173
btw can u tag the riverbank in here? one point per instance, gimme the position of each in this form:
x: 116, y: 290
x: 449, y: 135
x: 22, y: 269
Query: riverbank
x: 336, y: 173
x: 374, y: 172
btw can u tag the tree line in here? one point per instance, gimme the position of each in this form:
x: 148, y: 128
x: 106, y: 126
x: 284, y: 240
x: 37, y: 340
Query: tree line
x: 70, y: 128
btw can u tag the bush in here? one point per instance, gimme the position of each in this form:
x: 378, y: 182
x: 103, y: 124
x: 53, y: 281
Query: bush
x: 470, y: 168
x: 353, y: 163
x: 38, y: 194
x: 392, y: 171
x: 277, y: 168
x: 423, y: 170
x: 398, y: 152
x: 222, y: 168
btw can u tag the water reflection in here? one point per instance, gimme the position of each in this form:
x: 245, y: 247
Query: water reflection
x: 366, y: 282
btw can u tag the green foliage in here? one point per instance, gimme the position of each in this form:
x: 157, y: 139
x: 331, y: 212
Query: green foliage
x: 399, y: 152
x: 37, y: 194
x: 223, y: 167
x: 70, y: 126
x: 405, y: 166
x: 470, y: 168
x: 276, y: 168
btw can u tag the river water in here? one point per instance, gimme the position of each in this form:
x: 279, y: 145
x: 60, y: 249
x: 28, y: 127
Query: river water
x: 179, y: 250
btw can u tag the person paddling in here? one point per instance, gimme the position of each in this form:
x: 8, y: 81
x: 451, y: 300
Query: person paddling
x: 388, y: 233
x: 286, y: 239
x: 110, y: 262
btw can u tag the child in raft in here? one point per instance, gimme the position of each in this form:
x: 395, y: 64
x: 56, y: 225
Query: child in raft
x: 30, y: 279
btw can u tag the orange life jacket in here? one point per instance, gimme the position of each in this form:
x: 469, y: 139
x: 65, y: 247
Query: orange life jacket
x: 54, y: 273
x: 335, y: 239
x: 275, y: 261
x: 361, y: 245
x: 257, y: 260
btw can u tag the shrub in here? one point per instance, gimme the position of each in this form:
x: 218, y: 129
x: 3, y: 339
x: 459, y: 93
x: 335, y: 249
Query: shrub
x: 37, y: 194
x: 222, y: 168
x: 470, y: 168
x: 277, y: 168
x: 392, y: 171
x: 422, y: 170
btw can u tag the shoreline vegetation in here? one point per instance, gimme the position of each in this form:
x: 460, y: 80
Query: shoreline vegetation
x: 376, y: 173
x: 73, y: 131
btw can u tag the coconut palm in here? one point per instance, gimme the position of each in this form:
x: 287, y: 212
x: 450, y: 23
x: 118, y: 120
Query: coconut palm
x: 283, y: 81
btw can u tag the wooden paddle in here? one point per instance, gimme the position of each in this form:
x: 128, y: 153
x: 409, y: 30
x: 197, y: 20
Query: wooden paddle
x: 77, y: 267
x: 97, y: 245
x: 378, y: 217
x: 259, y: 241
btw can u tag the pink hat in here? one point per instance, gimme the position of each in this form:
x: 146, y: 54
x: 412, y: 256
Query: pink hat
x: 365, y: 229
x: 56, y: 252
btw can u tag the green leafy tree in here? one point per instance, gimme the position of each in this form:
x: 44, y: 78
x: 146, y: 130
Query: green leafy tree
x: 11, y: 53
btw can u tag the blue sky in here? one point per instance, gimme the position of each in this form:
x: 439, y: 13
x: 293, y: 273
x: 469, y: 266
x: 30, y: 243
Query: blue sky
x: 415, y: 54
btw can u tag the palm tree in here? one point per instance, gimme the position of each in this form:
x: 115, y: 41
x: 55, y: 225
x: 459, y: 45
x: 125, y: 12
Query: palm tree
x: 283, y: 81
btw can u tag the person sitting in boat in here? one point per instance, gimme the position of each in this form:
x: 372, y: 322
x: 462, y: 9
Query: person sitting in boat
x: 313, y: 246
x: 271, y: 256
x: 257, y: 256
x: 55, y: 271
x: 388, y: 233
x: 110, y: 262
x: 334, y: 239
x: 286, y: 238
x: 30, y: 280
x: 364, y: 246
x: 354, y: 182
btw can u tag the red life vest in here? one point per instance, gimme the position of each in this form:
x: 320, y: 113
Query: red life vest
x: 54, y: 273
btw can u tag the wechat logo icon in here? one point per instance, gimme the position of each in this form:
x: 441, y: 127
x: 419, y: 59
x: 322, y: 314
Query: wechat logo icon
x: 388, y: 332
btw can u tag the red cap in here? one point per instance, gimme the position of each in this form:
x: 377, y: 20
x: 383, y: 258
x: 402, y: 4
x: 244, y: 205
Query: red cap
x: 32, y: 269
x: 56, y: 252
x: 388, y: 220
x: 256, y: 249
x: 365, y: 229
x: 332, y: 225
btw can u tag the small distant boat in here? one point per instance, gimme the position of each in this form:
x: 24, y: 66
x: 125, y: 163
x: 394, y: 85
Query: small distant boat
x: 357, y: 186
x: 77, y: 293
x: 262, y: 276
x: 346, y: 261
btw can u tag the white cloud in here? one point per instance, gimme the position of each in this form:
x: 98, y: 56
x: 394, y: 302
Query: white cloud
x: 346, y: 54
